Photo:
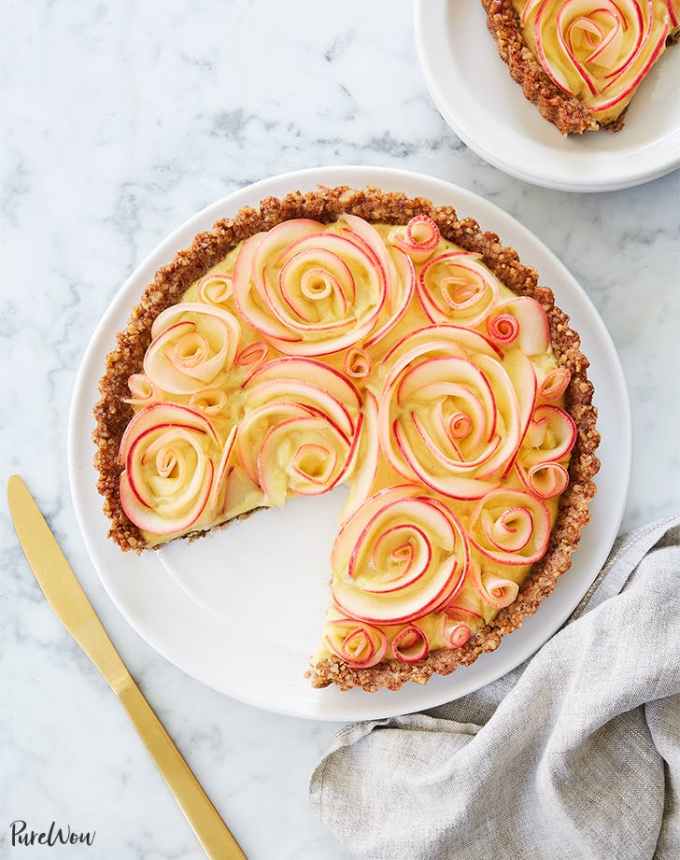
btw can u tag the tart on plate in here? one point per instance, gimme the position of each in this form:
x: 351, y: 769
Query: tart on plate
x: 582, y: 61
x: 371, y: 340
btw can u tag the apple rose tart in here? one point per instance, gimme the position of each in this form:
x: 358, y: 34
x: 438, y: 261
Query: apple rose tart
x: 586, y: 58
x: 373, y: 342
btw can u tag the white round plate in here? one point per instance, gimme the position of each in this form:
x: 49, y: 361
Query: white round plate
x: 200, y: 603
x: 475, y: 94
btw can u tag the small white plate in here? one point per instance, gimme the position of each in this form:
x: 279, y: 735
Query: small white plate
x: 475, y: 94
x: 241, y: 610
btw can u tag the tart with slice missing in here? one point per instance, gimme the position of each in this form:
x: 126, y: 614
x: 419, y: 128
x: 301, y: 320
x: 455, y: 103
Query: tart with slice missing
x: 582, y: 61
x: 377, y: 342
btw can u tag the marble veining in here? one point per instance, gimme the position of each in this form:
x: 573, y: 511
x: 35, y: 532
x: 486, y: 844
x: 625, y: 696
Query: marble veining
x: 119, y: 121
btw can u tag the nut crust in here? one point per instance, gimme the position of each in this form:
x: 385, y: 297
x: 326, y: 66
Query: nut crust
x: 326, y: 204
x: 565, y: 112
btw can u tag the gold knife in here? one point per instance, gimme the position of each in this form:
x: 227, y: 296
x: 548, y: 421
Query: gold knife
x: 68, y: 600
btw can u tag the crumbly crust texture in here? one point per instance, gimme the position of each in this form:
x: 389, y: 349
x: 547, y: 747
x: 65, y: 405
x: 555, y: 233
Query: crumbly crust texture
x: 326, y: 205
x: 565, y: 112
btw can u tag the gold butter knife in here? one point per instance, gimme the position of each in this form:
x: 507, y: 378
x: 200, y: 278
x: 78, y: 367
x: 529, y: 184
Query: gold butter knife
x: 68, y: 600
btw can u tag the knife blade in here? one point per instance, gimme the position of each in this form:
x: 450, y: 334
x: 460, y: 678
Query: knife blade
x: 69, y: 602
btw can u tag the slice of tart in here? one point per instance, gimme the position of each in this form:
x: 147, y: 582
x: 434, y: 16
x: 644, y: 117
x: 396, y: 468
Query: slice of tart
x: 374, y: 341
x: 582, y: 61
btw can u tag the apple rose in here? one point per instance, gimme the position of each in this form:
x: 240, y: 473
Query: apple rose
x: 212, y: 401
x: 169, y: 453
x: 509, y: 527
x: 359, y: 645
x: 410, y: 644
x: 461, y: 618
x: 192, y: 343
x: 453, y: 411
x: 419, y: 239
x: 312, y: 290
x: 215, y: 289
x: 142, y: 389
x: 456, y: 287
x: 301, y: 425
x: 550, y: 437
x: 554, y: 384
x: 456, y: 630
x: 400, y: 556
x: 523, y: 320
x: 494, y: 590
x: 502, y: 329
x: 599, y: 49
x: 545, y: 480
x: 357, y: 363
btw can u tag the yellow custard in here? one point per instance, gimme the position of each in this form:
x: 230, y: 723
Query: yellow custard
x: 598, y: 50
x: 444, y: 417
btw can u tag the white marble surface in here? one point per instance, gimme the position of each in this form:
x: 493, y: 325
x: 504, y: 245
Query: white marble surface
x: 119, y: 121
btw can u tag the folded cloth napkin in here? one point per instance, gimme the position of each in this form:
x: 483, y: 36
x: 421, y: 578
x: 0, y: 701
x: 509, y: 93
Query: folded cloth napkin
x: 574, y: 754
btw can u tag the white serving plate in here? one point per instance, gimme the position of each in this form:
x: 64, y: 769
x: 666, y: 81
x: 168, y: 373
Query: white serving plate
x: 475, y: 94
x: 197, y: 604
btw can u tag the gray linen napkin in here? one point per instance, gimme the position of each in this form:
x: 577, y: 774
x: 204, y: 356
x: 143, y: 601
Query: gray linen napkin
x: 574, y: 754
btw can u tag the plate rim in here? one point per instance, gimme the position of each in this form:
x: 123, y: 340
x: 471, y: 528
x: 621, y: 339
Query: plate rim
x: 231, y: 202
x: 618, y: 182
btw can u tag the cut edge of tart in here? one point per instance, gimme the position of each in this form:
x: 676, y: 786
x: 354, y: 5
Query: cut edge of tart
x: 113, y: 413
x: 543, y: 81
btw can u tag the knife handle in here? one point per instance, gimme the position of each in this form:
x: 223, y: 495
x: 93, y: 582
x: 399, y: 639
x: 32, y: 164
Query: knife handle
x: 213, y: 834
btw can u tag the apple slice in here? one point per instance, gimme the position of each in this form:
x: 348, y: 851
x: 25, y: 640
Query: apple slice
x: 252, y: 355
x: 252, y: 310
x: 222, y: 472
x: 398, y: 301
x: 509, y: 410
x: 448, y: 339
x: 533, y: 336
x: 295, y: 391
x: 453, y: 486
x: 311, y: 371
x: 368, y: 451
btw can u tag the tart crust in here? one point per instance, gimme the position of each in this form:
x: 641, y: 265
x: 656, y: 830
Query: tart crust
x: 566, y: 112
x: 326, y: 204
